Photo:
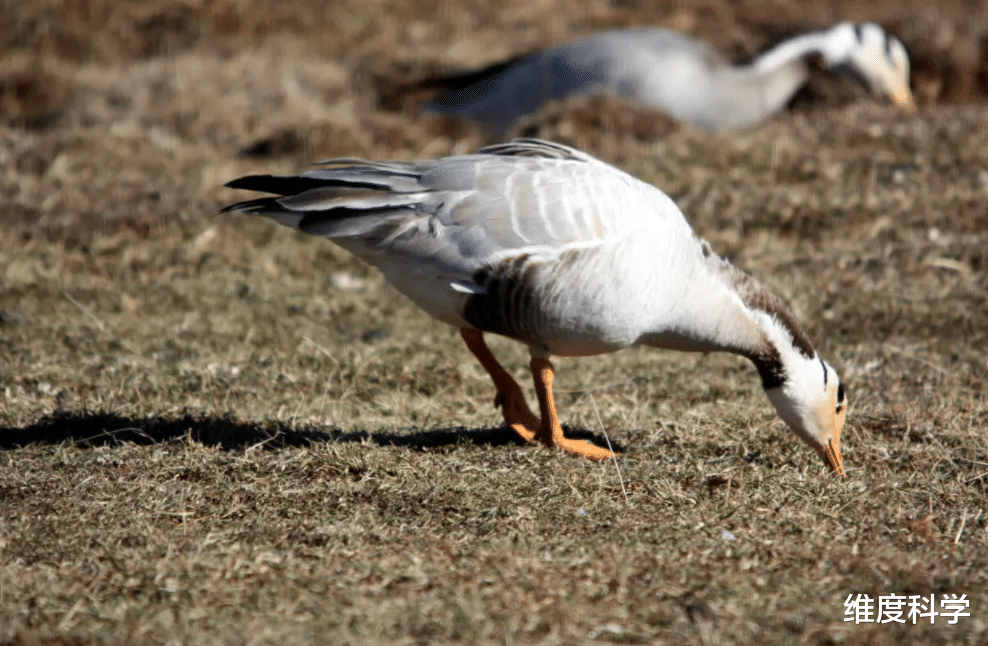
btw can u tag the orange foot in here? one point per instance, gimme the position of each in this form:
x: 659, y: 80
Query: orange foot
x: 509, y: 397
x: 517, y: 414
x: 583, y: 448
x: 550, y: 431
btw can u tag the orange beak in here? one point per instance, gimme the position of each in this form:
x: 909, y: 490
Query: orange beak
x: 833, y: 458
x: 904, y: 99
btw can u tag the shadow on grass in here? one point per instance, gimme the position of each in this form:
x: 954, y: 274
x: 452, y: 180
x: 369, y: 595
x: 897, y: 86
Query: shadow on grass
x: 87, y: 430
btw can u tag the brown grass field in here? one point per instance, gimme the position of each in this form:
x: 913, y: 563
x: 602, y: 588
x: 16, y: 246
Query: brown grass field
x: 217, y: 431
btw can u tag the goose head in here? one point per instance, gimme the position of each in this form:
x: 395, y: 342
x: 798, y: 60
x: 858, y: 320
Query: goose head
x: 876, y: 57
x: 812, y: 401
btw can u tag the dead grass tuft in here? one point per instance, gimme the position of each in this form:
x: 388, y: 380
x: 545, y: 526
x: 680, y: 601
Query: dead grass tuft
x: 921, y: 526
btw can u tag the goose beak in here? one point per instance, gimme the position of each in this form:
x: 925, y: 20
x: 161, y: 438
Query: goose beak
x: 832, y: 455
x: 904, y: 99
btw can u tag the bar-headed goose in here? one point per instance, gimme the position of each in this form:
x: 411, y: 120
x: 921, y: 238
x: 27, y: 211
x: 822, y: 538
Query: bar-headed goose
x: 546, y: 245
x: 686, y: 78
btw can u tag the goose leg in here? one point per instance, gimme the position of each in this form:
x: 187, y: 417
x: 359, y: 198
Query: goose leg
x: 550, y: 431
x: 509, y: 397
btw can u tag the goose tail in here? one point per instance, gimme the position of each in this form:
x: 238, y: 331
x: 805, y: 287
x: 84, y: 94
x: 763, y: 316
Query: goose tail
x: 364, y: 201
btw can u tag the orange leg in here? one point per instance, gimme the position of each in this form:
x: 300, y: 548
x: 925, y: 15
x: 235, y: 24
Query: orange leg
x: 509, y: 397
x: 550, y: 431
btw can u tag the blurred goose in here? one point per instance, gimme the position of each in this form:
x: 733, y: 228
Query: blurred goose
x: 686, y: 78
x: 546, y: 245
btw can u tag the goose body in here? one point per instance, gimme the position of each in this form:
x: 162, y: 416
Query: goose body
x: 548, y: 246
x: 686, y: 78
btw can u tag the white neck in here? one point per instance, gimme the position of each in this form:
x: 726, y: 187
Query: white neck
x: 753, y: 92
x: 749, y: 96
x: 834, y: 45
x: 726, y: 310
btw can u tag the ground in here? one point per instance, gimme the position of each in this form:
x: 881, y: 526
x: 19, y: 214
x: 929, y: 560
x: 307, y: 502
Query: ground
x: 216, y: 430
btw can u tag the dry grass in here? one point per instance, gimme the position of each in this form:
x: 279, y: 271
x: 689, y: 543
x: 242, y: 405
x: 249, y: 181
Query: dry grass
x: 217, y: 431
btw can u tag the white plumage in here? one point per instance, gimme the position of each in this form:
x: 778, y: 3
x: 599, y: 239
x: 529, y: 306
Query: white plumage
x: 686, y: 78
x: 571, y: 256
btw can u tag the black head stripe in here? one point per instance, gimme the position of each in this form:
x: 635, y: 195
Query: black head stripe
x: 859, y: 32
x: 824, y: 371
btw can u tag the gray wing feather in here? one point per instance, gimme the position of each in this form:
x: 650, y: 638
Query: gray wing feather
x: 326, y: 198
x: 627, y: 63
x: 528, y: 147
x: 460, y: 212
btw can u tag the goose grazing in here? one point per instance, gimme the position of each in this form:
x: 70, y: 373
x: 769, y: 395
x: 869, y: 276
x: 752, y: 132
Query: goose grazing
x: 546, y: 245
x: 686, y: 78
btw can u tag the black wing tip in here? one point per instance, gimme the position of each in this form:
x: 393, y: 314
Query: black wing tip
x: 453, y: 82
x: 283, y: 184
x: 249, y: 182
x: 259, y: 205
